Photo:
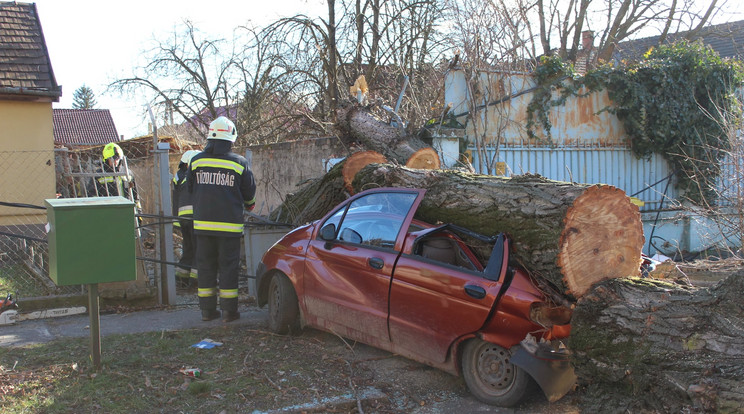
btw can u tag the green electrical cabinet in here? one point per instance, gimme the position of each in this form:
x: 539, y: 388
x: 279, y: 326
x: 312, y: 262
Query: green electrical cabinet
x: 91, y: 240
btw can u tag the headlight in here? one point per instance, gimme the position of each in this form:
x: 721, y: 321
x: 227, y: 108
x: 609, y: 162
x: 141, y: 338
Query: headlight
x: 547, y: 316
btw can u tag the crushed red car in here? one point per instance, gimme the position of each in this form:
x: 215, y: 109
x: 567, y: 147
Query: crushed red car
x: 370, y: 272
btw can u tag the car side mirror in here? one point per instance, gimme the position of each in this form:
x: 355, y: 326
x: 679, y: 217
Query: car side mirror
x: 328, y: 232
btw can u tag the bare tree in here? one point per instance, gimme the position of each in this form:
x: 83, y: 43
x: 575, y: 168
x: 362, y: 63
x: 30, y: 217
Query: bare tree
x: 385, y: 41
x: 556, y: 26
x: 187, y: 74
x: 725, y: 215
x: 495, y: 44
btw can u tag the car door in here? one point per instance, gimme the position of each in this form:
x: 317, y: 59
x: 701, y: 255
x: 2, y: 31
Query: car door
x: 347, y: 271
x: 432, y: 304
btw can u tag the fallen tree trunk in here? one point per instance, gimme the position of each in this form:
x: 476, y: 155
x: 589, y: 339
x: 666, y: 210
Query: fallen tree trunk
x: 313, y: 199
x: 571, y: 235
x: 644, y: 345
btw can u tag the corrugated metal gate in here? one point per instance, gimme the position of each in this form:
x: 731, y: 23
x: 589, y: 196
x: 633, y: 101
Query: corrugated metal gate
x: 641, y: 178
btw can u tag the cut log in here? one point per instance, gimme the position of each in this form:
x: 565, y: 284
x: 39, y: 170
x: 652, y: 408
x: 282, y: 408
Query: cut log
x: 643, y: 345
x: 424, y: 159
x: 392, y: 142
x: 357, y: 161
x: 571, y: 235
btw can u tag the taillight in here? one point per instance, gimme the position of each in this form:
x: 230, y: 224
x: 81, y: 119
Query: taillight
x: 547, y: 316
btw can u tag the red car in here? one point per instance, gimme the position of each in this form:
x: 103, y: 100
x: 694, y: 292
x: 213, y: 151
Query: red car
x: 370, y: 272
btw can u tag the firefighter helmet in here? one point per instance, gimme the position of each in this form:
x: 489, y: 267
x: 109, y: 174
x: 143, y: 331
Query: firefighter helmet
x: 112, y: 150
x: 222, y: 128
x: 188, y: 155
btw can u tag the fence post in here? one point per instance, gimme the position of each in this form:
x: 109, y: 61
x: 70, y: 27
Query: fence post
x: 167, y: 272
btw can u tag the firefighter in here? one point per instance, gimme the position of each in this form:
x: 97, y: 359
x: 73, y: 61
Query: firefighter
x: 182, y: 208
x: 222, y: 187
x: 114, y: 185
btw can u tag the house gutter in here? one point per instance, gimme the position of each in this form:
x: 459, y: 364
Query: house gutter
x: 12, y: 93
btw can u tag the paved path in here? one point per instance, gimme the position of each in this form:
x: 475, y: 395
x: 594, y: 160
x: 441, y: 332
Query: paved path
x: 36, y: 331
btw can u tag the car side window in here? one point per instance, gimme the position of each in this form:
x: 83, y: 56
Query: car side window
x: 375, y: 219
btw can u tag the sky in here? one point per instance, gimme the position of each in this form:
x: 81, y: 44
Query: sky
x: 94, y: 42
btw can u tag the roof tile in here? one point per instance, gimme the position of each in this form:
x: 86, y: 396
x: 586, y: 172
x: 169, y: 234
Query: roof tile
x: 24, y: 60
x: 726, y: 39
x: 84, y: 127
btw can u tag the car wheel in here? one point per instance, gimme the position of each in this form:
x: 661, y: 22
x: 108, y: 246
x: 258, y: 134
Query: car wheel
x: 283, y: 308
x: 490, y: 375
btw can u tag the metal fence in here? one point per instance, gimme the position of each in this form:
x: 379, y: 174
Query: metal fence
x: 29, y: 178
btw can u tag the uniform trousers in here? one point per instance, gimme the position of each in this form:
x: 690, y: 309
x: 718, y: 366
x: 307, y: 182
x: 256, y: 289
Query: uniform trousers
x: 218, y: 260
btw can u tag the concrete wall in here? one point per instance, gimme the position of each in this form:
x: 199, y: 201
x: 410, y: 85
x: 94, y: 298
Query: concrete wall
x: 26, y: 159
x: 280, y: 168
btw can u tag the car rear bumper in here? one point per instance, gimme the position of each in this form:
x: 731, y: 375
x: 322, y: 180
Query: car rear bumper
x: 549, y: 365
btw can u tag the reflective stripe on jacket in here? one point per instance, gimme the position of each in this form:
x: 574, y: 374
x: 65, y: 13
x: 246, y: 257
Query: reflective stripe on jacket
x: 221, y: 186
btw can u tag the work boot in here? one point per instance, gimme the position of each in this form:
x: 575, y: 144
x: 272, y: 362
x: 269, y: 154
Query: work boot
x: 229, y: 316
x: 210, y: 315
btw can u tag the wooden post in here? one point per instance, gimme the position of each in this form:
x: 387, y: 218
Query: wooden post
x: 95, y: 326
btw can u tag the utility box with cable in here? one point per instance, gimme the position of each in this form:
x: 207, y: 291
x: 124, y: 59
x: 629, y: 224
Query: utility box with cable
x: 91, y: 240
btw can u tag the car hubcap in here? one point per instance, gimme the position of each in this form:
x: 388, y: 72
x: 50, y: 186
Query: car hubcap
x: 494, y: 368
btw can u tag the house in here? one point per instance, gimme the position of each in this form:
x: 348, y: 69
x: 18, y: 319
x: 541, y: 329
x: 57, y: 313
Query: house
x: 588, y: 146
x: 83, y: 127
x: 727, y: 39
x: 27, y: 90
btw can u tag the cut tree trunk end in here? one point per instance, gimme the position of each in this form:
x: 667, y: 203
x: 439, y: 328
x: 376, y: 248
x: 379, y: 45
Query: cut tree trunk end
x: 424, y: 159
x: 357, y: 161
x: 643, y: 345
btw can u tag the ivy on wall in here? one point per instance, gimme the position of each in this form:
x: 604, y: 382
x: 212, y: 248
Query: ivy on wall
x: 677, y: 102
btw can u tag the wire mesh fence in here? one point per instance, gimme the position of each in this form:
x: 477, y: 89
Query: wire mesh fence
x: 28, y: 179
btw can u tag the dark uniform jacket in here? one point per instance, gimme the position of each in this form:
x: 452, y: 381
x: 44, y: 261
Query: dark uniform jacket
x: 221, y: 186
x: 182, y: 206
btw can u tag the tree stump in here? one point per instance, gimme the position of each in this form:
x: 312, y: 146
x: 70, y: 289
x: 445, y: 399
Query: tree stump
x: 643, y: 345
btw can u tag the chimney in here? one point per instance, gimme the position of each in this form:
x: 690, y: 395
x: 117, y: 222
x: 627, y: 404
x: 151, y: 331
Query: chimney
x: 587, y: 39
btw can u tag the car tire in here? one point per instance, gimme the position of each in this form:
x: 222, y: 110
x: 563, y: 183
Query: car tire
x: 283, y: 308
x: 490, y: 375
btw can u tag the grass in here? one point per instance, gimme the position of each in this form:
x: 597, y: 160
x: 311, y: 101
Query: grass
x: 253, y: 370
x: 14, y: 278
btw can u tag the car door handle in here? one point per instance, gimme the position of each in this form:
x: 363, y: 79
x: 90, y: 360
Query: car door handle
x: 475, y: 291
x: 376, y: 263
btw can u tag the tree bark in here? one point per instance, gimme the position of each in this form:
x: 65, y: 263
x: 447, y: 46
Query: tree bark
x: 571, y: 235
x: 643, y: 345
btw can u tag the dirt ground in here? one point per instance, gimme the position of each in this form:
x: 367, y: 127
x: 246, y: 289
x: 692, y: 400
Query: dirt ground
x: 385, y: 383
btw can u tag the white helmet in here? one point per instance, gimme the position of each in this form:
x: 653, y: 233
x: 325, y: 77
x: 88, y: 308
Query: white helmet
x: 222, y: 128
x: 188, y: 155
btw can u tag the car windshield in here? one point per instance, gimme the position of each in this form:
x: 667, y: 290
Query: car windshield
x: 374, y: 219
